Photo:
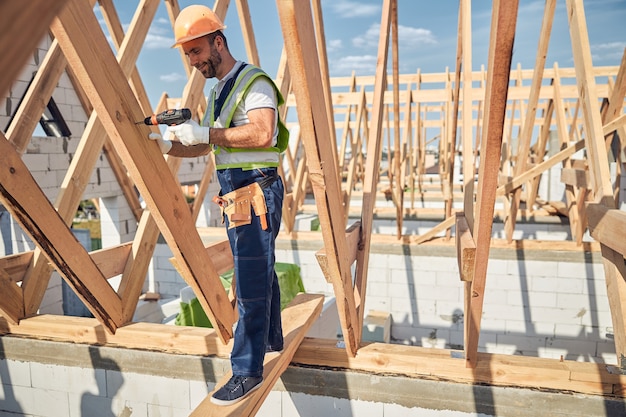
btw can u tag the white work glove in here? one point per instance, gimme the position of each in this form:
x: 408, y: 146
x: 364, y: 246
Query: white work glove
x: 191, y: 133
x: 164, y: 144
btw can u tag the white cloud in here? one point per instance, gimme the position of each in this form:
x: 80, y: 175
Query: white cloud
x: 334, y: 45
x: 159, y: 36
x: 172, y: 77
x: 361, y: 65
x: 610, y: 51
x: 349, y: 9
x: 407, y: 37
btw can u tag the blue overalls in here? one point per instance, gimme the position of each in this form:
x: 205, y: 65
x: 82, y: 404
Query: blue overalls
x: 259, y: 325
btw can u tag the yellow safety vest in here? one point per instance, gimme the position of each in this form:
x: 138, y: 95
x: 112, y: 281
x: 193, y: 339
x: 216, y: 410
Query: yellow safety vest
x: 245, y: 158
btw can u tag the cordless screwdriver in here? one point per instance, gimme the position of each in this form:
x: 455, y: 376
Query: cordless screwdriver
x: 168, y: 117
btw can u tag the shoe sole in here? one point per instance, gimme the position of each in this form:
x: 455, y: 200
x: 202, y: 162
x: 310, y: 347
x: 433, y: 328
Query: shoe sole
x: 236, y: 400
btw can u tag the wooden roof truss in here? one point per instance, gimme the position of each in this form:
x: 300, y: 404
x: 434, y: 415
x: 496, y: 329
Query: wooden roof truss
x: 488, y: 104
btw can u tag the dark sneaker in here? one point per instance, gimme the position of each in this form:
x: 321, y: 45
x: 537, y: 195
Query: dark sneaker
x: 272, y: 349
x: 236, y: 389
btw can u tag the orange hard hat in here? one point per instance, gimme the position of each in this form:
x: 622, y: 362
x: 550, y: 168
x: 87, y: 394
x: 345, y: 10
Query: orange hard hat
x: 194, y: 22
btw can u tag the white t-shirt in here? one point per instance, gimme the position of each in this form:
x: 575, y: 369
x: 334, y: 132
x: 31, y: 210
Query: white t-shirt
x: 261, y: 94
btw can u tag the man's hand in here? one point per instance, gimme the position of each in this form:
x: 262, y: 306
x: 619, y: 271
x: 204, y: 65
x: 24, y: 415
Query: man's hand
x: 164, y: 144
x: 191, y: 133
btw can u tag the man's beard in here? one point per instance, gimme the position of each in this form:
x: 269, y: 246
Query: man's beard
x: 211, y: 64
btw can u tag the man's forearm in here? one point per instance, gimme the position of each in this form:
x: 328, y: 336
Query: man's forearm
x: 244, y: 136
x: 182, y: 151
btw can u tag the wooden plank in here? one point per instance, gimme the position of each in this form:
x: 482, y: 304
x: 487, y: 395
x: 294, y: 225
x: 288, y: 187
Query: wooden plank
x: 440, y: 77
x: 112, y: 260
x: 148, y: 231
x: 504, y: 19
x: 353, y: 236
x: 540, y: 168
x: 374, y: 153
x: 12, y: 301
x: 434, y: 231
x: 15, y: 265
x: 469, y: 163
x: 297, y: 318
x: 616, y: 101
x: 243, y: 11
x: 304, y: 67
x: 523, y: 151
x: 30, y: 20
x: 36, y: 98
x: 407, y: 361
x: 87, y: 53
x: 608, y: 226
x: 578, y: 178
x: 152, y: 336
x: 615, y: 124
x: 594, y: 137
x: 30, y: 207
x: 89, y: 148
x: 320, y: 40
x: 491, y: 369
x: 465, y: 248
x: 615, y: 273
x: 561, y: 127
x: 220, y: 254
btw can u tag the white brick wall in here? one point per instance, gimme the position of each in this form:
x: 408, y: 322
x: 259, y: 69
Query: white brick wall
x: 553, y: 308
x: 50, y: 390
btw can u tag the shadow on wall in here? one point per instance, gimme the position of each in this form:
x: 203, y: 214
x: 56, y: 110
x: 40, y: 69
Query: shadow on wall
x: 109, y: 380
x: 8, y: 402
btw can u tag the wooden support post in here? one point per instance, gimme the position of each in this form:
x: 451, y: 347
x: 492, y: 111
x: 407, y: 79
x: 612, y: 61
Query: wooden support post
x: 373, y: 161
x: 504, y: 19
x: 615, y: 272
x: 529, y: 122
x: 304, y: 67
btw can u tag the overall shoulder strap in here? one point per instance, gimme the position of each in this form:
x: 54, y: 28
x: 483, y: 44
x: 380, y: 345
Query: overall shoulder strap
x: 219, y: 103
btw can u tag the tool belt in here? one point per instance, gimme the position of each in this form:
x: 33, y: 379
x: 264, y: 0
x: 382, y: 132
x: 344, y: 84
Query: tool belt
x: 238, y: 204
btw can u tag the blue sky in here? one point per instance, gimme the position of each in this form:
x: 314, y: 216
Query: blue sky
x: 427, y: 37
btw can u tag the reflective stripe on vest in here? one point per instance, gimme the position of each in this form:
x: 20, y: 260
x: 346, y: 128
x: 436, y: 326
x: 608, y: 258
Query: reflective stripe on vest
x: 243, y: 157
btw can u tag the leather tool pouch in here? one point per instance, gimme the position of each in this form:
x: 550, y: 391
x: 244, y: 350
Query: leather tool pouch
x: 237, y: 205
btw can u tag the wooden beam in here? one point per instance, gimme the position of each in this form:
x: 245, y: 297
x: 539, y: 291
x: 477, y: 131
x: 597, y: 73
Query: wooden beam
x: 465, y: 248
x: 596, y: 151
x: 297, y: 318
x: 504, y: 19
x: 29, y: 22
x: 304, y: 67
x: 243, y: 11
x: 523, y: 151
x: 353, y: 237
x: 80, y: 170
x: 36, y: 98
x: 469, y: 164
x: 540, y: 168
x: 615, y: 273
x: 406, y: 361
x: 12, y: 302
x: 578, y: 178
x: 564, y: 138
x: 220, y: 254
x: 30, y: 207
x: 87, y: 52
x: 608, y: 226
x: 374, y: 146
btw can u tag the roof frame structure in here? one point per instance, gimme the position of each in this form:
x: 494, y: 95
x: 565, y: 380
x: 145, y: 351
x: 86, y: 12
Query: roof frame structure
x: 586, y: 115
